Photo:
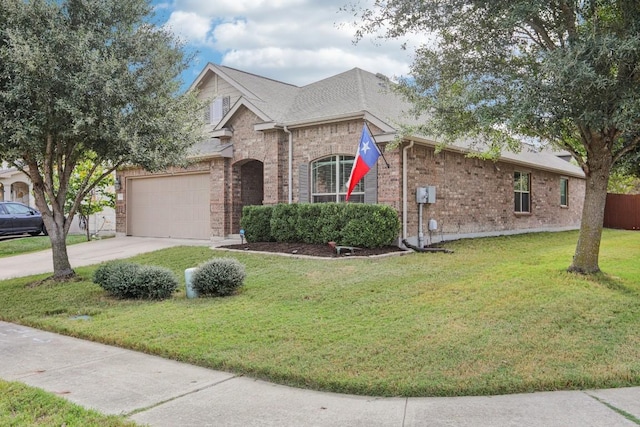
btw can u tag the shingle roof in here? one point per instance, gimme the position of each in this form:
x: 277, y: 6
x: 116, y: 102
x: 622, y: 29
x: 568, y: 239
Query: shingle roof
x: 350, y: 93
x: 353, y: 91
x: 270, y: 96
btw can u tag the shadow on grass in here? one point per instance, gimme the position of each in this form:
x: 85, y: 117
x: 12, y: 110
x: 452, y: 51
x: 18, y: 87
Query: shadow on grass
x: 613, y: 283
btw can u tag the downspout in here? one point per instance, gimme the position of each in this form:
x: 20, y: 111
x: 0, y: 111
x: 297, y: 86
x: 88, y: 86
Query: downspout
x: 287, y: 131
x: 405, y: 189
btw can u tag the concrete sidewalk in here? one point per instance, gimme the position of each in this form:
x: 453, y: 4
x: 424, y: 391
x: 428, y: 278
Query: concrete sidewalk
x: 93, y: 252
x: 160, y: 392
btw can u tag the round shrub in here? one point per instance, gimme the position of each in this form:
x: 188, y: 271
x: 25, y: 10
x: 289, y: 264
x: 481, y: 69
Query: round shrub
x: 117, y: 278
x: 131, y: 281
x: 154, y: 282
x: 218, y: 277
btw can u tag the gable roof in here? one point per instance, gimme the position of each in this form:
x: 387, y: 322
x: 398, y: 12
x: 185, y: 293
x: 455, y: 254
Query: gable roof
x: 355, y: 93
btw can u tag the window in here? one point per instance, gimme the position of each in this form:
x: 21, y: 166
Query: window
x: 16, y: 209
x: 564, y: 191
x: 522, y: 192
x: 329, y: 177
x: 217, y: 109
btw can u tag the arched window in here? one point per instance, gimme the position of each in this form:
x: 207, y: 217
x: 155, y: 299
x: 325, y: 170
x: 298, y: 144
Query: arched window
x: 329, y: 177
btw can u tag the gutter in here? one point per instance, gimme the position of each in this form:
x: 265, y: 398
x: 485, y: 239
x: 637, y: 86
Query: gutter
x: 405, y: 202
x: 287, y: 131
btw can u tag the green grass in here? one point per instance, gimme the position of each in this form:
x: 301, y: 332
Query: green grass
x: 22, y: 245
x: 21, y: 405
x: 500, y: 315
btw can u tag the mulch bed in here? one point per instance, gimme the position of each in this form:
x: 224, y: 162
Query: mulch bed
x: 312, y: 250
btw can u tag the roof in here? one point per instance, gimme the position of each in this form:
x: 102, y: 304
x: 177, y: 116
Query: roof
x: 353, y: 93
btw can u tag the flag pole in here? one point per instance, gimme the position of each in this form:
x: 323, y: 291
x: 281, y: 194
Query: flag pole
x: 374, y: 140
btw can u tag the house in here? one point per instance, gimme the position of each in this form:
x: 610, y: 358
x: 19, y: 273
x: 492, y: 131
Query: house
x: 271, y: 142
x: 16, y: 186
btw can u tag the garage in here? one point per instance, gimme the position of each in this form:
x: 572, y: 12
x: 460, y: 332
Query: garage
x: 174, y: 206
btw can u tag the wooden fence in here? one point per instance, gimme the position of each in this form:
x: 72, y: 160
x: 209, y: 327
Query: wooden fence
x: 622, y: 211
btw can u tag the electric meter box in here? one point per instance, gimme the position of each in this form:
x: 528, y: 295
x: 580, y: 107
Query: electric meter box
x: 426, y: 194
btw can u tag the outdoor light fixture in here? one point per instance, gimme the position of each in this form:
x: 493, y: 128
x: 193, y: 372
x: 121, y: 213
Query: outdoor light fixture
x: 118, y: 184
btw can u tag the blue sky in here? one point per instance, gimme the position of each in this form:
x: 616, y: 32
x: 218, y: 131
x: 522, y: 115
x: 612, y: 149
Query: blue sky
x: 294, y: 41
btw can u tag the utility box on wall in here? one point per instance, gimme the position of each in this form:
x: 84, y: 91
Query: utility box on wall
x: 426, y: 194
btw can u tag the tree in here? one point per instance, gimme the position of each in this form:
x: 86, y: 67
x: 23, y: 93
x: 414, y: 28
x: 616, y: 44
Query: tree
x: 88, y: 79
x: 565, y: 72
x: 94, y: 202
x: 620, y: 183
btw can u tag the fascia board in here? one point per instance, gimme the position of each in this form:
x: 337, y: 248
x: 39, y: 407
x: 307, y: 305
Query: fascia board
x: 240, y: 103
x: 513, y: 161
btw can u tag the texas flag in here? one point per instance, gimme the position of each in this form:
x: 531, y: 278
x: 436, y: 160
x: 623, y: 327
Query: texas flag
x: 366, y: 157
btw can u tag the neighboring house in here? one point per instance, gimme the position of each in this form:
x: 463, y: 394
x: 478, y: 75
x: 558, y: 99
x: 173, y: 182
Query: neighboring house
x: 272, y: 142
x: 17, y: 187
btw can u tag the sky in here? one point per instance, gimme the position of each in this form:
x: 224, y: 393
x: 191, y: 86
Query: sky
x: 293, y: 41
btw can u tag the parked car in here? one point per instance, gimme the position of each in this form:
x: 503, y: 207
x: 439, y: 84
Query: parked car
x: 16, y: 218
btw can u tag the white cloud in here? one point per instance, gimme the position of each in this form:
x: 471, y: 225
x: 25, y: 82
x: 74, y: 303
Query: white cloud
x: 301, y: 67
x: 296, y: 41
x: 189, y: 26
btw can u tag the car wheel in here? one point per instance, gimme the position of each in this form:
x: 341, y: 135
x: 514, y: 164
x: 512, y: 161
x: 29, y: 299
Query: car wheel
x: 34, y: 233
x: 44, y: 230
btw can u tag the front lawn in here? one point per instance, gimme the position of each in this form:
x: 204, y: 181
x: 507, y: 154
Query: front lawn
x: 500, y: 315
x: 21, y: 405
x: 20, y: 245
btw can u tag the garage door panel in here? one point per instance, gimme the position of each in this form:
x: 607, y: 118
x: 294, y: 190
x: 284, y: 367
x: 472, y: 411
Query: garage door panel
x: 169, y: 206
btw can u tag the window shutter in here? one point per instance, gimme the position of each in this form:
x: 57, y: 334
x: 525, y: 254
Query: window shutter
x: 371, y: 185
x: 226, y: 105
x: 216, y: 111
x: 303, y: 181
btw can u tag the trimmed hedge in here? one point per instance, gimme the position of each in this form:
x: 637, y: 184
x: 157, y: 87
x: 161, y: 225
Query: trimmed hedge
x: 351, y: 224
x: 256, y: 222
x: 126, y: 280
x: 284, y: 219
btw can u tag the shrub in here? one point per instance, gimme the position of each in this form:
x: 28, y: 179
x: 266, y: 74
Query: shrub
x: 117, y: 278
x: 131, y: 281
x: 256, y: 222
x: 370, y: 226
x: 309, y: 222
x: 332, y: 222
x: 218, y: 277
x: 352, y: 224
x: 154, y: 282
x: 284, y: 222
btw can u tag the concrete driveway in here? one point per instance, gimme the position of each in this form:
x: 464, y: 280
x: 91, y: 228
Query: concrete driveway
x: 88, y: 253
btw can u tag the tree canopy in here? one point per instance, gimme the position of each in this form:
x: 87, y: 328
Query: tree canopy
x: 561, y: 72
x: 88, y: 80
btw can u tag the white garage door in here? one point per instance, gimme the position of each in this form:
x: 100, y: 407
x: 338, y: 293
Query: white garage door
x: 169, y: 206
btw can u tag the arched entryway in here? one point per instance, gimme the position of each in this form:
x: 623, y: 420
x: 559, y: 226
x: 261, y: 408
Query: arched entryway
x: 248, y: 184
x: 20, y: 192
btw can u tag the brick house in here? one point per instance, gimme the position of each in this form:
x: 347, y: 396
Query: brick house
x: 272, y: 142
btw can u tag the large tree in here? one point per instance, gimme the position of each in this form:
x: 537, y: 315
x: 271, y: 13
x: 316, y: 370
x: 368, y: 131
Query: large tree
x: 559, y: 71
x: 88, y: 80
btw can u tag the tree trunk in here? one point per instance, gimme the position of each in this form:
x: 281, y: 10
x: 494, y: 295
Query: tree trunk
x: 585, y: 259
x: 61, y: 265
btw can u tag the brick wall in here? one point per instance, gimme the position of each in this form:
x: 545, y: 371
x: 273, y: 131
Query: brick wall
x: 476, y: 196
x: 473, y: 196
